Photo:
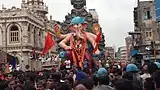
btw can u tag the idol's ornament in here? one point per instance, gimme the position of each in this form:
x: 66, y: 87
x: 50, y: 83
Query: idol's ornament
x: 80, y: 36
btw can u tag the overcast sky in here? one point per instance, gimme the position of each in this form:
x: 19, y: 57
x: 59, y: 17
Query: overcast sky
x: 116, y: 16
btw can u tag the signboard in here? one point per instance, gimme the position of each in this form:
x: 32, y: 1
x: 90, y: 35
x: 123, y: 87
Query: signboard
x: 157, y: 9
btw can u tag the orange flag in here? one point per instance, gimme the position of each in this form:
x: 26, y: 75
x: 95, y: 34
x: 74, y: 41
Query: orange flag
x: 48, y: 44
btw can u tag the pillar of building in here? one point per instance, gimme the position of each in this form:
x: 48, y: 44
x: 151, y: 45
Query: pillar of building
x: 24, y: 35
x: 32, y: 34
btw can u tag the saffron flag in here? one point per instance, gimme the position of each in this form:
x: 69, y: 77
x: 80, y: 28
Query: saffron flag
x: 48, y: 43
x: 97, y: 40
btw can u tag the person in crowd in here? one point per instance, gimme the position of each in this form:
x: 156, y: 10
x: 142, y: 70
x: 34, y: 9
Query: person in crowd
x: 122, y: 78
x: 146, y: 73
x: 68, y: 64
x: 80, y: 87
x: 88, y: 83
x: 132, y: 74
x: 123, y: 84
x: 156, y: 76
x: 103, y: 80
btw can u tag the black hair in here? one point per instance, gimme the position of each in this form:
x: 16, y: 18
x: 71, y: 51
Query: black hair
x: 63, y: 86
x: 87, y: 83
x: 18, y: 86
x: 79, y: 68
x: 56, y: 77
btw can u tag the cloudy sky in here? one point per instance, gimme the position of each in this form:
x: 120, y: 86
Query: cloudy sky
x: 116, y: 16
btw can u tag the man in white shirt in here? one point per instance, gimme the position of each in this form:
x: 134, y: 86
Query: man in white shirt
x: 68, y: 64
x: 146, y: 73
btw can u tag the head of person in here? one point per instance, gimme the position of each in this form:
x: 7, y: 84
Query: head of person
x: 80, y: 87
x: 63, y: 86
x: 131, y: 68
x: 9, y: 76
x: 102, y: 72
x: 118, y: 74
x: 11, y: 84
x: 40, y: 86
x: 114, y: 69
x: 145, y: 68
x: 50, y: 83
x: 79, y: 68
x: 18, y: 87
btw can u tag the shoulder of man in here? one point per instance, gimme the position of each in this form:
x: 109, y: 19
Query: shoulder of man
x: 103, y: 87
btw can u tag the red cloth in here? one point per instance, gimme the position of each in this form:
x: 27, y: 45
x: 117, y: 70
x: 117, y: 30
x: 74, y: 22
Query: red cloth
x: 48, y: 44
x: 98, y: 37
x: 97, y: 40
x: 2, y: 77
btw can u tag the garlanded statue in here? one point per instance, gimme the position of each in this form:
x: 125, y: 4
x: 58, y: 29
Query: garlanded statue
x: 79, y: 37
x: 75, y: 43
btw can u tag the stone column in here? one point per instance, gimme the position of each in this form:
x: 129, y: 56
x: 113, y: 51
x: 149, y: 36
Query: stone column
x: 41, y: 39
x: 38, y: 37
x: 32, y: 35
x: 24, y: 35
x: 1, y: 37
x: 4, y: 35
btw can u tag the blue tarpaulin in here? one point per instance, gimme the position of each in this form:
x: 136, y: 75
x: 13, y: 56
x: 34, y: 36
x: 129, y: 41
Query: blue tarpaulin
x: 134, y: 52
x: 157, y: 8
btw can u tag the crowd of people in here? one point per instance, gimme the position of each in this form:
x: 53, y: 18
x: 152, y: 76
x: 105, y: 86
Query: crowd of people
x: 114, y: 77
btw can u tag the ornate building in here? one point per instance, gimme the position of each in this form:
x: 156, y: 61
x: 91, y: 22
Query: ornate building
x: 22, y: 29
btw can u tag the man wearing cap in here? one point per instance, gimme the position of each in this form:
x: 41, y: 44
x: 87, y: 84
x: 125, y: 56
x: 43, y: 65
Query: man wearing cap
x: 103, y: 80
x: 132, y: 74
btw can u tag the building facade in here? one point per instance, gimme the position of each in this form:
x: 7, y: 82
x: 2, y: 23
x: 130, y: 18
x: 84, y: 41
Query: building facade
x: 122, y: 53
x: 109, y: 52
x: 25, y: 28
x: 145, y: 23
x: 129, y: 43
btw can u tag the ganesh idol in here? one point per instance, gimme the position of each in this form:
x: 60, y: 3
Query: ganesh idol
x: 75, y: 43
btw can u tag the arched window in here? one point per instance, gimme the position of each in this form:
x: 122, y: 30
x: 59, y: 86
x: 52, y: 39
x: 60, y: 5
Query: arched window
x: 0, y: 36
x: 14, y: 34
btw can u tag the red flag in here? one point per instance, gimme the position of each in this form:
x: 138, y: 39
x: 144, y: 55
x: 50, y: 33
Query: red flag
x: 98, y: 37
x: 48, y: 44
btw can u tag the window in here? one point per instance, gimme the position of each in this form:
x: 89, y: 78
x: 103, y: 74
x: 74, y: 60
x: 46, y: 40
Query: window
x: 150, y: 34
x: 147, y: 34
x: 147, y: 15
x: 40, y: 38
x: 14, y: 35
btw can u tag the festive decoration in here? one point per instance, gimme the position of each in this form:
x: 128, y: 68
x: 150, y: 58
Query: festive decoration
x: 48, y: 44
x: 80, y: 36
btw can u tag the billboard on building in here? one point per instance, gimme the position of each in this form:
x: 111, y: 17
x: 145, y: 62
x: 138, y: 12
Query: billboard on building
x: 157, y: 8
